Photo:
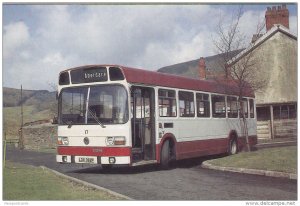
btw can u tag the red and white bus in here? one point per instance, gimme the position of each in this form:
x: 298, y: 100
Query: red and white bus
x: 115, y: 115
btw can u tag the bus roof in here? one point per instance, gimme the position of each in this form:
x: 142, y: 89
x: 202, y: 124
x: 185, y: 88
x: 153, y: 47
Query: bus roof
x: 146, y: 77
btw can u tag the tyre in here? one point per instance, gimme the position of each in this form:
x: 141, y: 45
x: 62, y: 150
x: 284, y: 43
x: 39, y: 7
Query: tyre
x: 233, y: 147
x: 167, y: 156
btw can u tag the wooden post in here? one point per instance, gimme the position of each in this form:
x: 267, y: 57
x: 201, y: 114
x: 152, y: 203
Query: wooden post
x: 21, y: 138
x: 272, y: 122
x: 4, y: 150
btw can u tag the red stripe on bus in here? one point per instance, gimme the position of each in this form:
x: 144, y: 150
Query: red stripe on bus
x: 200, y: 148
x: 94, y: 151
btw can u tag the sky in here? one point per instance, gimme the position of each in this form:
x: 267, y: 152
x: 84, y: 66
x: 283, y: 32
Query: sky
x: 39, y: 41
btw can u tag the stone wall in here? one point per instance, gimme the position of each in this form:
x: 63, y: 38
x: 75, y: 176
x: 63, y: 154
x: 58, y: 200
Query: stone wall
x: 42, y: 136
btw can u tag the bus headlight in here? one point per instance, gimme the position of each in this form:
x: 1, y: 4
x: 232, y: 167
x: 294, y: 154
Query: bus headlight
x: 62, y: 141
x: 119, y: 140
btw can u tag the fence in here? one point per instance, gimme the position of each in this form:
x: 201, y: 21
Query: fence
x: 285, y: 128
x: 282, y: 129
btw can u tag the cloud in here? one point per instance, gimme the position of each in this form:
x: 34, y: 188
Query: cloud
x: 143, y: 36
x: 15, y: 35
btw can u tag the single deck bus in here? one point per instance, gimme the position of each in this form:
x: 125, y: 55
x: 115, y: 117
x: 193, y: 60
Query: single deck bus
x: 114, y: 115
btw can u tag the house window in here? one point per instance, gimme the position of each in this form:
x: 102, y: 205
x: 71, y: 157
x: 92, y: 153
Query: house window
x: 232, y: 107
x: 203, y: 105
x: 285, y: 112
x: 186, y: 104
x: 263, y: 113
x: 218, y: 106
x: 167, y: 103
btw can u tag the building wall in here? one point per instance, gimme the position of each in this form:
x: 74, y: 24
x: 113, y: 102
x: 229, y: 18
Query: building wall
x: 278, y: 66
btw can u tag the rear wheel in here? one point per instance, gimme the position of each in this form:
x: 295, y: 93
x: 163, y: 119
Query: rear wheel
x: 233, y: 147
x: 167, y: 155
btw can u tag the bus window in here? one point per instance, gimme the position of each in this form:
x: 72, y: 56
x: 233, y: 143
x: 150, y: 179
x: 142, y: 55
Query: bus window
x: 107, y: 104
x: 203, y: 105
x: 232, y: 107
x: 186, y: 104
x: 64, y: 78
x: 251, y: 102
x: 167, y: 103
x: 218, y: 106
x: 244, y: 108
x: 115, y: 74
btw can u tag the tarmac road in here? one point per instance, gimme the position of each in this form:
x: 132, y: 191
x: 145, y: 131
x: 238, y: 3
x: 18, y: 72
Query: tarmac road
x: 188, y: 181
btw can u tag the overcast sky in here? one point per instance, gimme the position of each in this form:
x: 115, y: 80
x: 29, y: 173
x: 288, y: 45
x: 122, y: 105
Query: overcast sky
x: 39, y: 41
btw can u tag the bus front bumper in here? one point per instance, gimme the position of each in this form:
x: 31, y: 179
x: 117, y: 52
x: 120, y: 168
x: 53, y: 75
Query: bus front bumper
x: 94, y: 155
x: 93, y: 159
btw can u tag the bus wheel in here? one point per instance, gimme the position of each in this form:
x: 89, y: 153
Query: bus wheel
x: 167, y: 156
x: 233, y: 147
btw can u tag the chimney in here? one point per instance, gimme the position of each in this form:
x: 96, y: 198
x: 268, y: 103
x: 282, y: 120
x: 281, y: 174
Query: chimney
x: 277, y: 15
x: 202, y: 68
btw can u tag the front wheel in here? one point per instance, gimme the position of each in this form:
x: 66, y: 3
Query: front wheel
x: 233, y: 147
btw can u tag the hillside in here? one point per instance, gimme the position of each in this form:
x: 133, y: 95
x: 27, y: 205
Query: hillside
x: 12, y: 97
x: 191, y: 68
x: 37, y: 105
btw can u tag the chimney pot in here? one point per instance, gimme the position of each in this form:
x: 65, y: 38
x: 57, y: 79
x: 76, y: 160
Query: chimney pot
x: 280, y: 16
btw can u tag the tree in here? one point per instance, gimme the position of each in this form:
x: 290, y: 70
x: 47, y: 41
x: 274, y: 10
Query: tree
x: 242, y: 71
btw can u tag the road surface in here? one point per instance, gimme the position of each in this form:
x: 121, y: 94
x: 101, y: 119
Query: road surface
x: 188, y: 181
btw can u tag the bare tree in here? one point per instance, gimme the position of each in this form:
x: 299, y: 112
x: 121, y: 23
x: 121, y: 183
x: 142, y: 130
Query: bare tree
x: 241, y: 71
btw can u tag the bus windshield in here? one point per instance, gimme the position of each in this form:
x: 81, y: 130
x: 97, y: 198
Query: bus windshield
x: 101, y: 104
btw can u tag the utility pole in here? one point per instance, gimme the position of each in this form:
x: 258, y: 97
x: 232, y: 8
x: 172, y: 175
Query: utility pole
x: 21, y: 138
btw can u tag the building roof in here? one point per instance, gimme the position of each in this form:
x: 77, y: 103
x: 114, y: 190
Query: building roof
x: 190, y: 68
x: 276, y: 28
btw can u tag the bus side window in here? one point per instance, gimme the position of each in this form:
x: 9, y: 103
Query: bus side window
x: 244, y: 108
x: 232, y: 107
x: 186, y: 104
x: 218, y: 106
x: 251, y: 102
x: 167, y: 103
x: 203, y: 105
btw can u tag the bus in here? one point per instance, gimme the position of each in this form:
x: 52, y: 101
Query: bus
x: 115, y: 115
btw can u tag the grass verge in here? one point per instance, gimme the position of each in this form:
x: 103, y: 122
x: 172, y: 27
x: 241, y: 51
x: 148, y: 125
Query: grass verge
x: 281, y: 159
x: 24, y: 182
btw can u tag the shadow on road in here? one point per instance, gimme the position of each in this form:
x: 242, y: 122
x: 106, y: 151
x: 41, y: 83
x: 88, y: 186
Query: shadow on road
x: 183, y: 164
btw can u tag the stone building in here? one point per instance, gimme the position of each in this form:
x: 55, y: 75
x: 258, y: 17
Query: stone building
x: 276, y: 53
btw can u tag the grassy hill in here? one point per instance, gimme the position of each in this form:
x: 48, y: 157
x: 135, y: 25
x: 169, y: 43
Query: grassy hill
x: 12, y: 97
x: 37, y: 105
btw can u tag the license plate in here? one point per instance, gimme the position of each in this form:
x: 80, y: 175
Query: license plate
x: 89, y: 160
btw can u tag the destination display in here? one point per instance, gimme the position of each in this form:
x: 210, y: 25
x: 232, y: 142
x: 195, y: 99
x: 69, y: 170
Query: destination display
x: 87, y: 75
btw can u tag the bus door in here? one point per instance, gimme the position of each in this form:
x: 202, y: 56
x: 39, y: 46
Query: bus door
x: 143, y: 123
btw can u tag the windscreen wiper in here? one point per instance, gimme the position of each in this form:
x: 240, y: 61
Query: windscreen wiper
x: 96, y: 118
